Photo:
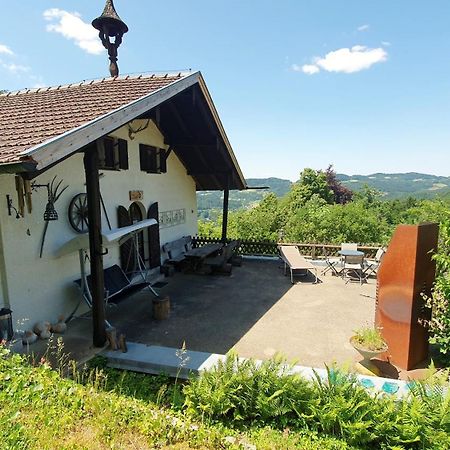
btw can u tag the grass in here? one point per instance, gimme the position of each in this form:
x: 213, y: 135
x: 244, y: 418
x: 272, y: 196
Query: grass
x: 237, y: 405
x: 369, y: 339
x: 39, y: 409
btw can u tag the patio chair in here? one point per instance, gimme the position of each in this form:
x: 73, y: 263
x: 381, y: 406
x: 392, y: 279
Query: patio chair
x: 349, y: 246
x: 295, y: 261
x: 372, y: 265
x: 332, y: 263
x: 355, y: 266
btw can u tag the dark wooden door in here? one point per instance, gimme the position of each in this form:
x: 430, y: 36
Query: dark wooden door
x: 154, y: 246
x: 135, y: 217
x: 127, y: 258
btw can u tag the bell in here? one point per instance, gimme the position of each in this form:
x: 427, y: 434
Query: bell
x: 50, y: 212
x: 109, y: 22
x: 110, y: 25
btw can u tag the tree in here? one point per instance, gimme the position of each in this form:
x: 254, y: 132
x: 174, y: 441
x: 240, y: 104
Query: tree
x: 342, y: 194
x: 311, y: 183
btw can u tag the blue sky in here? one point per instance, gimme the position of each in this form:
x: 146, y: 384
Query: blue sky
x: 363, y: 85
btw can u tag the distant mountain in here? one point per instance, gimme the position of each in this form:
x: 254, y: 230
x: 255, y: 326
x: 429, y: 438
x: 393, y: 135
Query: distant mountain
x: 392, y: 185
x: 210, y: 200
x: 398, y: 185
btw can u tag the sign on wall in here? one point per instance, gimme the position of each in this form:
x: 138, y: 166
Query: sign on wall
x: 136, y: 196
x: 171, y: 218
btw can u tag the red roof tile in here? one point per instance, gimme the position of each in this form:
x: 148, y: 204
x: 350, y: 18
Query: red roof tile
x: 29, y: 118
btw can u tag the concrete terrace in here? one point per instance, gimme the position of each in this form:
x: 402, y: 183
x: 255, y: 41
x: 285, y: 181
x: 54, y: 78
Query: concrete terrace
x: 256, y: 311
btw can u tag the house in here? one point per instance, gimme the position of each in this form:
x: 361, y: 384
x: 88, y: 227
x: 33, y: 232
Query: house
x: 158, y: 139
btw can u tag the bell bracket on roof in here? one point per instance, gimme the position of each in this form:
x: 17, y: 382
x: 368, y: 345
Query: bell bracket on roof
x: 110, y: 25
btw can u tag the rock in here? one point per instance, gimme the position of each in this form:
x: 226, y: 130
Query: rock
x: 29, y: 338
x: 45, y: 334
x: 41, y: 327
x: 59, y: 327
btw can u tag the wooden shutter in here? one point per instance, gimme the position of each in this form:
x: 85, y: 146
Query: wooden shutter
x: 162, y: 161
x: 154, y: 246
x: 123, y: 154
x: 153, y: 159
x: 127, y: 257
x: 109, y: 153
x: 143, y: 157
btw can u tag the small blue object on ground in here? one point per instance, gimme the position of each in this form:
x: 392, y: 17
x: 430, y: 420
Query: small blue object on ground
x: 367, y: 383
x: 390, y: 388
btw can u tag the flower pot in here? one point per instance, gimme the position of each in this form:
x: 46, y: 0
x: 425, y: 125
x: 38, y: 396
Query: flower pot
x: 366, y: 353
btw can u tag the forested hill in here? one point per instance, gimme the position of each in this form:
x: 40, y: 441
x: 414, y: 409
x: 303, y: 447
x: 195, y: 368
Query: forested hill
x: 208, y: 200
x: 394, y: 185
x: 397, y: 185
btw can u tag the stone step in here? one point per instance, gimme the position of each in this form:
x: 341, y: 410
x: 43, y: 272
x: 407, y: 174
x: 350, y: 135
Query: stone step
x: 153, y: 359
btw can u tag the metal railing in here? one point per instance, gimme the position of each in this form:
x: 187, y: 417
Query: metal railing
x: 267, y: 248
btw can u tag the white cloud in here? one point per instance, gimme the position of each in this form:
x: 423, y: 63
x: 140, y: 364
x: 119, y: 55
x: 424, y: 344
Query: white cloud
x: 345, y: 60
x: 14, y: 68
x: 72, y: 27
x: 310, y: 69
x: 386, y: 43
x: 364, y: 27
x: 5, y: 50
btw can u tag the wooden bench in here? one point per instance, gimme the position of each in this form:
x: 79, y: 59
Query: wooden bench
x: 220, y: 263
x: 117, y: 286
x: 295, y: 261
x: 176, y: 250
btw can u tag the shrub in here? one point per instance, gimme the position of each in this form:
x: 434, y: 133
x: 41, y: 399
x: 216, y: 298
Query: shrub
x: 239, y: 392
x: 247, y: 394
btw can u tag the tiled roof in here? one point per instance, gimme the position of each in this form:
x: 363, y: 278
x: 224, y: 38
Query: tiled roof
x: 31, y: 117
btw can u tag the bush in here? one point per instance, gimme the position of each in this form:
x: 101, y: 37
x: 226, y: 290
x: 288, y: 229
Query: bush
x: 439, y: 302
x: 246, y: 394
x: 239, y: 392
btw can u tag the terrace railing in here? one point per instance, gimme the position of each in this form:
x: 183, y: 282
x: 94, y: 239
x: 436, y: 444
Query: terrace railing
x: 267, y: 248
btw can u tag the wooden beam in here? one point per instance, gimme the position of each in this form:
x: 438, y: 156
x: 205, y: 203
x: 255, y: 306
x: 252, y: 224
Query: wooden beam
x: 95, y: 243
x: 226, y: 194
x: 179, y: 119
x: 192, y: 144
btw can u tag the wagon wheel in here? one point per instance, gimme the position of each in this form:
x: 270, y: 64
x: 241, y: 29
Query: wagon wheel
x: 78, y: 213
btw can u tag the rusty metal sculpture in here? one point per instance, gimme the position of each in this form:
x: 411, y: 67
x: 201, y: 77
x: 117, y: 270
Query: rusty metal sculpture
x: 406, y: 273
x: 110, y: 25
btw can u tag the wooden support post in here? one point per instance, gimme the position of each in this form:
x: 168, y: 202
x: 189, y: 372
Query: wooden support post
x: 95, y: 244
x: 226, y: 194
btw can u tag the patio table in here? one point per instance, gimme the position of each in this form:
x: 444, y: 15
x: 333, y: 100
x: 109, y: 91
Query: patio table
x: 351, y: 253
x: 197, y: 255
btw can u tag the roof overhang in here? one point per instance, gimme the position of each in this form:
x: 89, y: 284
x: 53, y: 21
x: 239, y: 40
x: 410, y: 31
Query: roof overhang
x: 55, y: 150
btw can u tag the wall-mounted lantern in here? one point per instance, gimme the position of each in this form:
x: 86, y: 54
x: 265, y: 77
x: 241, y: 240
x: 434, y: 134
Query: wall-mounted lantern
x: 110, y: 25
x: 6, y: 326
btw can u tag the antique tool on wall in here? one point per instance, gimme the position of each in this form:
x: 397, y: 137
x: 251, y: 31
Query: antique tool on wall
x: 23, y: 188
x: 20, y: 195
x: 28, y: 201
x: 50, y: 213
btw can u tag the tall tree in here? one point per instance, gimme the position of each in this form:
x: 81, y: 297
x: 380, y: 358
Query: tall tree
x: 311, y: 183
x: 342, y: 194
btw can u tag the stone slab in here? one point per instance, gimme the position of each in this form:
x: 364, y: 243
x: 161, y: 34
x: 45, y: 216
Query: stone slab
x: 153, y: 359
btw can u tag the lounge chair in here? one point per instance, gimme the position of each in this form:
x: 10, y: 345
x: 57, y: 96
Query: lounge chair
x: 295, y: 261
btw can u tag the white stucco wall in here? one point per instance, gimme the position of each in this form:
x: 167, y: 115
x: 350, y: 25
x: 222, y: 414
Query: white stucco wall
x: 42, y: 288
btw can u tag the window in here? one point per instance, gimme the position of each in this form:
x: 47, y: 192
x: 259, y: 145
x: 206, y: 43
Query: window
x: 152, y: 159
x: 114, y: 154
